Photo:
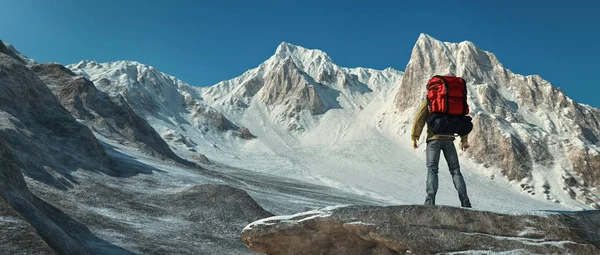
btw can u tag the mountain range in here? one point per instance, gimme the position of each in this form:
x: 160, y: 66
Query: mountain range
x: 525, y: 130
x: 121, y: 158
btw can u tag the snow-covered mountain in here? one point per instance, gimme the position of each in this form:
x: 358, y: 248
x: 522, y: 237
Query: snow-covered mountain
x: 297, y: 83
x: 288, y: 93
x: 110, y: 116
x: 525, y: 129
x: 174, y: 108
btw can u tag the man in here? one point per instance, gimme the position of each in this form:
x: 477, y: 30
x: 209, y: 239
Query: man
x: 435, y: 144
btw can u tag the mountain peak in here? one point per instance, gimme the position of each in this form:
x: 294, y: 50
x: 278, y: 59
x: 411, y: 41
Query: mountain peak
x: 425, y: 37
x: 285, y: 47
x: 304, y: 55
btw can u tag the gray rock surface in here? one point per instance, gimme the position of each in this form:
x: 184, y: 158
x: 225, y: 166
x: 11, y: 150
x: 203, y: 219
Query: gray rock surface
x: 61, y: 233
x: 41, y: 139
x: 417, y: 229
x: 17, y: 236
x: 45, y: 139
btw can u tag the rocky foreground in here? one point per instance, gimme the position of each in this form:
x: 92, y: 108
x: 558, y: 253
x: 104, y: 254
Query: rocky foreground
x: 417, y: 229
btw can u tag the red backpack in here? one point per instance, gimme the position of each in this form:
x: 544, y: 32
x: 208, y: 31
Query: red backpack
x: 448, y: 108
x: 447, y: 95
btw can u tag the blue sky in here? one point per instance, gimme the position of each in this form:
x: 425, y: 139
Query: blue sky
x: 204, y: 42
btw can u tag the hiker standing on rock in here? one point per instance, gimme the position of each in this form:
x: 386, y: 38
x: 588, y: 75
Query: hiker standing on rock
x: 444, y: 110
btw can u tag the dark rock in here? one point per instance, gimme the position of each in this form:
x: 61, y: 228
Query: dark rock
x: 244, y: 133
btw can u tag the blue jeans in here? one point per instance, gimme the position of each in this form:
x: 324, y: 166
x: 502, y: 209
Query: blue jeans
x: 433, y: 158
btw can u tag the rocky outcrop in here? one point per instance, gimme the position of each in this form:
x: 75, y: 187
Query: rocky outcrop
x: 45, y: 139
x: 520, y: 122
x: 206, y: 117
x: 110, y: 116
x: 244, y: 133
x: 509, y: 152
x: 417, y: 229
x: 218, y: 208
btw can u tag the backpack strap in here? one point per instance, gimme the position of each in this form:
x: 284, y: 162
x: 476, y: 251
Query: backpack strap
x: 465, y: 105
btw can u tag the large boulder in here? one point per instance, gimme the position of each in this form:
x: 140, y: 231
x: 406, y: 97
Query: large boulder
x: 419, y: 229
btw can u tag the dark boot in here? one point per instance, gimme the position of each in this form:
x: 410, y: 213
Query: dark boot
x: 465, y: 203
x: 430, y: 200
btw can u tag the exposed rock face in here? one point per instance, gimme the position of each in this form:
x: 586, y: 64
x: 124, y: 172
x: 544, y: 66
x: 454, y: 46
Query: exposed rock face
x: 505, y: 151
x: 244, y: 133
x: 110, y: 116
x: 45, y: 139
x: 293, y: 89
x: 522, y: 124
x: 15, y: 194
x: 422, y: 230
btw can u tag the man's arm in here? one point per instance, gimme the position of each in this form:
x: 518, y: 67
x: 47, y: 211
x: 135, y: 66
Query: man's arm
x: 419, y: 122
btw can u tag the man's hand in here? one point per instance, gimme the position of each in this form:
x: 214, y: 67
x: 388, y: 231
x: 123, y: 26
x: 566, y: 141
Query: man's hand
x: 464, y: 146
x: 415, y: 146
